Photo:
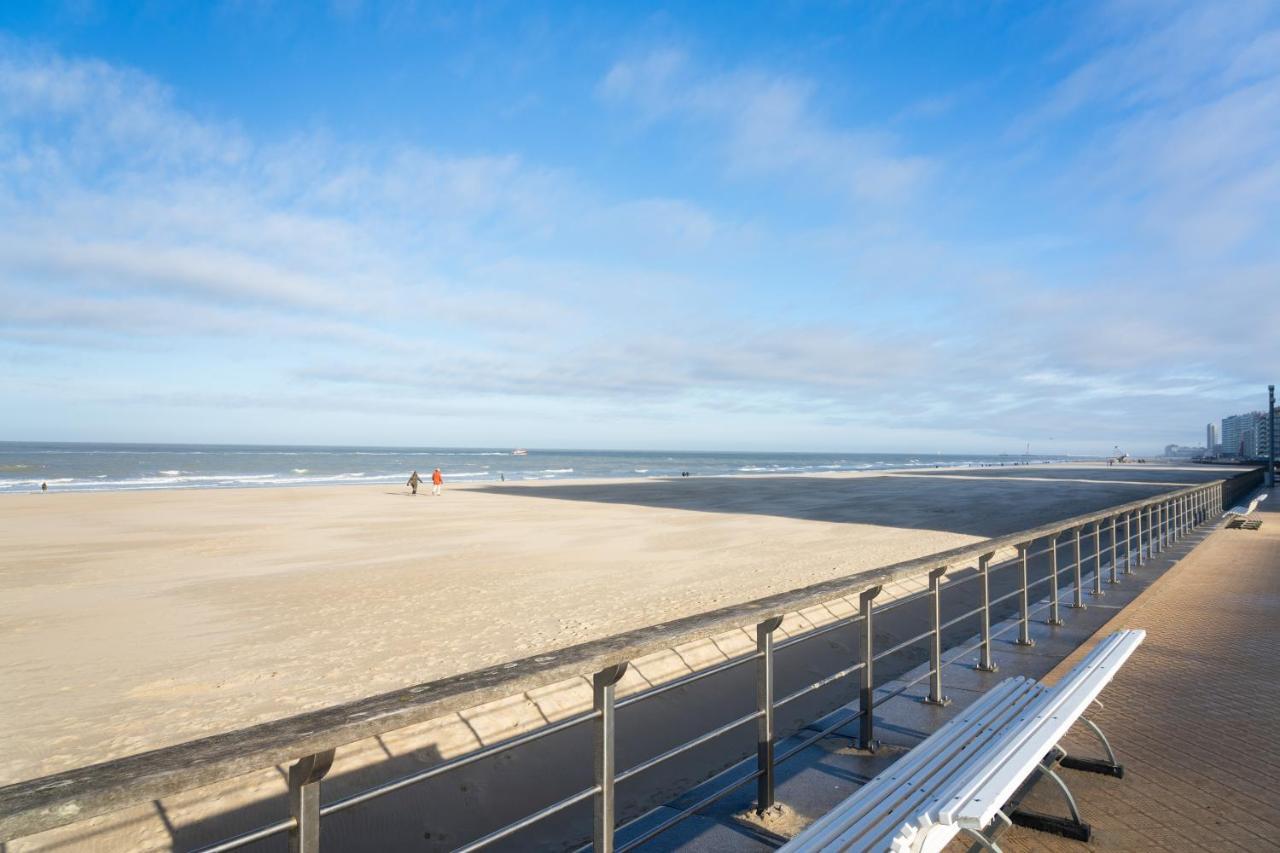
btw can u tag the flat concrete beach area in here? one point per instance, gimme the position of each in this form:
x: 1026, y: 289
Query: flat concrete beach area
x: 140, y: 619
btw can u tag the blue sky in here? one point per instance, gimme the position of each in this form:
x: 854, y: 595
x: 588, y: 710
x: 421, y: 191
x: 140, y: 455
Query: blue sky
x: 791, y: 226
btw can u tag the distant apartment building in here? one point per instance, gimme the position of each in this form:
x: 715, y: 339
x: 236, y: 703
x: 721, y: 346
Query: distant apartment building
x: 1246, y: 436
x: 1178, y: 451
x: 1210, y: 439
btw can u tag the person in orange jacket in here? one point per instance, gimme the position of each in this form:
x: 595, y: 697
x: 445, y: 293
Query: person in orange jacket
x: 437, y: 480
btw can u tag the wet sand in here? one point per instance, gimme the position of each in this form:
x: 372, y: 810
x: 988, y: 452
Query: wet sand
x: 139, y: 619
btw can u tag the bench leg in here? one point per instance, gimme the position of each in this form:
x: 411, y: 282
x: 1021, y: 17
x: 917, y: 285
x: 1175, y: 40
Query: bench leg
x: 1072, y: 827
x: 1110, y: 767
x: 981, y: 840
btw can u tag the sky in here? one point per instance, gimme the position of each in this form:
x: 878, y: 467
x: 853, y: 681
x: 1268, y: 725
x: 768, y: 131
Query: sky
x: 914, y: 227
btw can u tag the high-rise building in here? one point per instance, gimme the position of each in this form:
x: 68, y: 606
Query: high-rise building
x: 1247, y: 436
x: 1210, y: 439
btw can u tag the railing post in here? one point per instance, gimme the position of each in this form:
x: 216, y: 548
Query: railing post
x: 1077, y: 601
x: 1097, y: 559
x: 867, y: 685
x: 1128, y: 544
x: 1054, y: 618
x: 764, y: 704
x: 1153, y: 528
x: 1115, y: 550
x: 1137, y: 560
x: 1024, y: 602
x: 1153, y: 524
x: 935, y: 696
x: 605, y: 739
x: 985, y: 663
x: 1151, y: 537
x: 1141, y: 557
x: 304, y: 801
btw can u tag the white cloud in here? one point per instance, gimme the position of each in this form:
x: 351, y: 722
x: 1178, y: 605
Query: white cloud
x: 348, y: 278
x: 769, y: 124
x: 1179, y: 111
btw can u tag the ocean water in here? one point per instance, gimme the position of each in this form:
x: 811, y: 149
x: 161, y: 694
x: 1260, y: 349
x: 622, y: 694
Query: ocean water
x: 114, y: 467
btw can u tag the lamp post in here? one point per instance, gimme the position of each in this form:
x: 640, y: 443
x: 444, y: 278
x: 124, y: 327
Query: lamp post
x: 1271, y: 436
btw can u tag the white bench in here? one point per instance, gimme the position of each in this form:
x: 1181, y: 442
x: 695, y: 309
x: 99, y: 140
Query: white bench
x: 959, y: 779
x: 1237, y: 515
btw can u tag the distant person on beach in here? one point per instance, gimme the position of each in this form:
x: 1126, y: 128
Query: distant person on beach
x: 414, y: 480
x: 44, y: 487
x: 437, y: 480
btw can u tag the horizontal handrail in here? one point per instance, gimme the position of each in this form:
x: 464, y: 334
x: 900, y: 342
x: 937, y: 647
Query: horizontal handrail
x: 48, y: 802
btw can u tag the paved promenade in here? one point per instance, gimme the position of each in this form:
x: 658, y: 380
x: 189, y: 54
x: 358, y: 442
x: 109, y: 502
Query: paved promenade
x: 1193, y: 715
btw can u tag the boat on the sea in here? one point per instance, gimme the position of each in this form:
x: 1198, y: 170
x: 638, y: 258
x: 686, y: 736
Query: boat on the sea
x: 520, y: 452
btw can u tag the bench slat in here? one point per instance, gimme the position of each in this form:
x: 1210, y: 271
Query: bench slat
x: 887, y: 789
x: 919, y: 790
x: 991, y: 784
x: 963, y: 773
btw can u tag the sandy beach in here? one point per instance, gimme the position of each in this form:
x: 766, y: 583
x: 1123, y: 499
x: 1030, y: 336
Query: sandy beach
x: 136, y: 620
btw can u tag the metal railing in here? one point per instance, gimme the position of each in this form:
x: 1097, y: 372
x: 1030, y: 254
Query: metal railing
x: 1126, y: 536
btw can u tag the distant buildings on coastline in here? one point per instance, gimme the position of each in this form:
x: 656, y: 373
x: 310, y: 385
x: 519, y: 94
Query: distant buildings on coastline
x: 1180, y: 451
x: 1244, y: 436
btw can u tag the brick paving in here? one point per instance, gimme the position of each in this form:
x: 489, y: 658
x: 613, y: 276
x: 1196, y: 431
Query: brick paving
x: 1195, y: 714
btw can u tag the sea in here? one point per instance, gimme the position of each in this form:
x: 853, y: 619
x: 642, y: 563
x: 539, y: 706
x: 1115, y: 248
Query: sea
x: 123, y: 467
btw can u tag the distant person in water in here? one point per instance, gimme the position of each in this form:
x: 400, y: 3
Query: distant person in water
x: 414, y: 480
x: 437, y: 480
x: 44, y: 487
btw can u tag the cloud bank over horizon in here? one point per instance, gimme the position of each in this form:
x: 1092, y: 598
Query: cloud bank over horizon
x: 816, y: 229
